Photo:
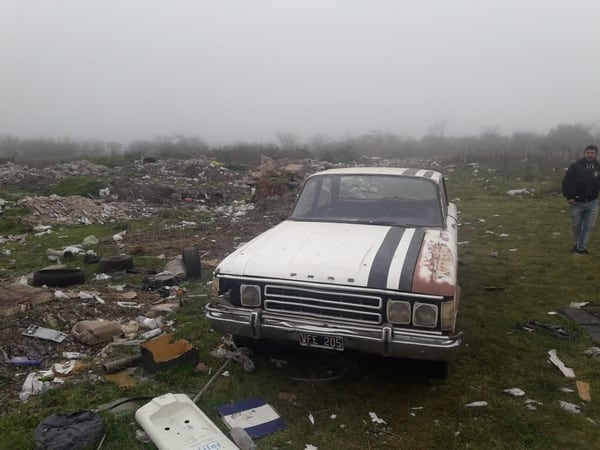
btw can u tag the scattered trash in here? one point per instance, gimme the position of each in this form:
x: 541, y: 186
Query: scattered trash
x: 255, y: 416
x: 515, y: 392
x: 477, y: 404
x: 567, y: 390
x: 122, y: 363
x: 44, y: 333
x: 173, y: 421
x: 558, y: 331
x: 35, y: 383
x: 514, y: 192
x: 68, y: 368
x: 133, y: 305
x: 23, y: 361
x: 570, y: 407
x: 376, y: 419
x: 74, y: 355
x: 532, y: 404
x: 150, y: 334
x: 242, y: 439
x: 161, y: 353
x: 81, y: 429
x: 92, y: 332
x: 310, y: 447
x: 142, y: 436
x: 566, y: 371
x: 578, y: 305
x: 583, y: 390
x: 311, y: 419
x: 60, y: 295
x: 592, y: 351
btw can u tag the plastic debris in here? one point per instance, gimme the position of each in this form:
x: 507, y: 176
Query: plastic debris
x: 23, y: 361
x: 592, y: 351
x: 518, y: 191
x: 35, y: 383
x: 477, y: 404
x: 242, y: 439
x: 570, y: 407
x: 578, y: 305
x: 376, y: 419
x: 515, y: 392
x: 74, y: 355
x: 311, y: 419
x: 532, y: 404
x: 566, y: 371
x: 44, y: 333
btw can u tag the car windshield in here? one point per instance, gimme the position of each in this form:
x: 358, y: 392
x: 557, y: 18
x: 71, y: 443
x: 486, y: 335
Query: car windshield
x: 372, y: 199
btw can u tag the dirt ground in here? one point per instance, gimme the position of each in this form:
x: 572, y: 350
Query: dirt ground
x: 240, y: 207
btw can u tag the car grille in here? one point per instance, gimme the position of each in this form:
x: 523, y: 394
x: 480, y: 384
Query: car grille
x: 324, y: 303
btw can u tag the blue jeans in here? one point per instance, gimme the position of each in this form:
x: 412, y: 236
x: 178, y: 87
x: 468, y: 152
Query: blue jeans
x: 583, y: 219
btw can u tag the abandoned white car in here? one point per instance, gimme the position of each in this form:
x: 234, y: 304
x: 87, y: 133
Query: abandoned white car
x: 367, y: 261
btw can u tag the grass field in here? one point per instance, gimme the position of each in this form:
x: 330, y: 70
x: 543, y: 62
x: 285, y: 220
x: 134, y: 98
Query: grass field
x: 532, y: 273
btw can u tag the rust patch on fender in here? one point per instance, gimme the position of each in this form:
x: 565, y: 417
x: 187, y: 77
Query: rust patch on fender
x: 435, y: 273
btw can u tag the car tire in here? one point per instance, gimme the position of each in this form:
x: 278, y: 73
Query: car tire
x: 109, y: 264
x: 191, y: 261
x: 58, y: 277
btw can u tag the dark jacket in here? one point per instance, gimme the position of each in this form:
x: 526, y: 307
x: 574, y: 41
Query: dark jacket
x: 582, y: 181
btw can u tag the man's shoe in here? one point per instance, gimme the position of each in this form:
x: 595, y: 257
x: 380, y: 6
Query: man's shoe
x: 582, y: 252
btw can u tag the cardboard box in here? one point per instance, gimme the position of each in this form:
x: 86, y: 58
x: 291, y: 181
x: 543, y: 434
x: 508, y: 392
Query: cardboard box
x: 161, y: 353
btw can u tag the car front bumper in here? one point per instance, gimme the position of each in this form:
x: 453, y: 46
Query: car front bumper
x: 382, y: 340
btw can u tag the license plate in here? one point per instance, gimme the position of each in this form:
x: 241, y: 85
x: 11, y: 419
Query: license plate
x: 322, y: 341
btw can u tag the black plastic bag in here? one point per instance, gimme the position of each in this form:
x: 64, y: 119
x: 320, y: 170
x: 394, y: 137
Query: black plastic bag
x: 76, y: 431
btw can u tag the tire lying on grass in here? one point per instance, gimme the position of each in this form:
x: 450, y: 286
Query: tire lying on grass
x: 58, y: 277
x: 109, y: 264
x: 191, y: 260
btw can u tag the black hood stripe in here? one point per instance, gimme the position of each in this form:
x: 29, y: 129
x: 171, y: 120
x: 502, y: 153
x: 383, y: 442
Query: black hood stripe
x: 410, y: 262
x: 383, y: 258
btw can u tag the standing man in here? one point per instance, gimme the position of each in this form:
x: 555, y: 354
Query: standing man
x: 580, y: 186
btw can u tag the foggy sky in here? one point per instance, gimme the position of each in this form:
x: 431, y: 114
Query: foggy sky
x: 244, y: 70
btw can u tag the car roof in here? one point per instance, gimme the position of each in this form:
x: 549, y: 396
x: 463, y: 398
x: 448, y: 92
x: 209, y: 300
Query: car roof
x: 400, y: 171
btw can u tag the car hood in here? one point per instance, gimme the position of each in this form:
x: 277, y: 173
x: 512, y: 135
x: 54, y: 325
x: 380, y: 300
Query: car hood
x: 371, y: 256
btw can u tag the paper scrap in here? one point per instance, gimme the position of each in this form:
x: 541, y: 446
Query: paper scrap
x: 583, y: 390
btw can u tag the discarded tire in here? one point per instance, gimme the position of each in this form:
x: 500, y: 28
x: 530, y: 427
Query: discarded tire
x: 58, y: 277
x: 108, y: 264
x: 191, y: 260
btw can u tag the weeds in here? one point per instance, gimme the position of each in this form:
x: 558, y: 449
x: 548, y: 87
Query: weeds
x: 533, y: 274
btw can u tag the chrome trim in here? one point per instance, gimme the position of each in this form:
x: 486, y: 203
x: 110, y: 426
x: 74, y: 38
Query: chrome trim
x: 374, y: 339
x: 343, y: 287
